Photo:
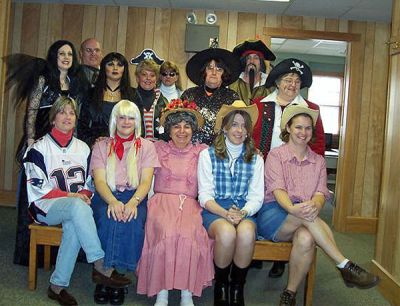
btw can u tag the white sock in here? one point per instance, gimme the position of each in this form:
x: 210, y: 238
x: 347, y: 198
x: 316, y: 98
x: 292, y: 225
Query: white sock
x: 186, y: 298
x: 162, y: 298
x: 343, y: 264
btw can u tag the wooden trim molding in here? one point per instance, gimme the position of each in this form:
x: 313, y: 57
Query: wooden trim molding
x: 308, y: 34
x: 8, y: 198
x: 388, y: 286
x: 361, y: 225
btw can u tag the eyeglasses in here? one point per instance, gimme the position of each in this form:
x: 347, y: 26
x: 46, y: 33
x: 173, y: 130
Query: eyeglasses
x: 90, y: 50
x: 216, y: 68
x: 171, y: 74
x: 296, y: 82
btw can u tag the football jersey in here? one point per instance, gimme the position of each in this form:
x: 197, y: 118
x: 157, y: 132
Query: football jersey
x: 49, y: 166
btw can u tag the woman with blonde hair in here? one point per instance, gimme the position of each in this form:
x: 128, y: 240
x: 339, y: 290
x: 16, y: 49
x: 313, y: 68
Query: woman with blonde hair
x: 170, y: 81
x: 122, y: 167
x: 149, y: 98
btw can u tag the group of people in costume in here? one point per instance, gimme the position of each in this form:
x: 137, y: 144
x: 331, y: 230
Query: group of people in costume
x: 175, y: 185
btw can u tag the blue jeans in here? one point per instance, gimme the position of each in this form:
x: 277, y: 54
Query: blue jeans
x: 79, y: 230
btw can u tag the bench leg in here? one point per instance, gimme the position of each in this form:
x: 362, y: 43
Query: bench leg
x: 309, y: 282
x: 32, y: 262
x: 46, y: 261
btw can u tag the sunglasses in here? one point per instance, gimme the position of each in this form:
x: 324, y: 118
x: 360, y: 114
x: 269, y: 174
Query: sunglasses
x: 171, y: 74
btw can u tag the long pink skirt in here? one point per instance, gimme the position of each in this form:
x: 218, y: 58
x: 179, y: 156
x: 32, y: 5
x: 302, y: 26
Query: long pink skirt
x: 177, y: 252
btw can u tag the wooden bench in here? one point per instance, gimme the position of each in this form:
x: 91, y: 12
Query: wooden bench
x: 280, y: 251
x: 41, y: 235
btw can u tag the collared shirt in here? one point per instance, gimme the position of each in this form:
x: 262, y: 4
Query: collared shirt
x: 276, y: 132
x: 300, y: 179
x: 254, y: 198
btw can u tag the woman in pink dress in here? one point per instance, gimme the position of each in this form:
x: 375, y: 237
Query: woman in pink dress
x: 177, y: 253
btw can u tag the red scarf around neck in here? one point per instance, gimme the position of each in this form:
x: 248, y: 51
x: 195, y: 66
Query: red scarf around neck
x: 62, y: 138
x: 119, y: 144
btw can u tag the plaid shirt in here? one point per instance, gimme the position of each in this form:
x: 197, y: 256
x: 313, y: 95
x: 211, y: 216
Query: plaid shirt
x: 231, y: 186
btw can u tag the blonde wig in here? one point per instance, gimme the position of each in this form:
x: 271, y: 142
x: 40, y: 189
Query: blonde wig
x: 124, y: 108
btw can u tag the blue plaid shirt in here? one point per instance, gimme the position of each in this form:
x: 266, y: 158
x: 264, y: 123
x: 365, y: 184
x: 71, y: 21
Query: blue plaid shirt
x: 228, y: 186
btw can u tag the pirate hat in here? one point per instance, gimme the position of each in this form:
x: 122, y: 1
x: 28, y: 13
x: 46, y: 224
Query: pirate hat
x: 254, y: 46
x: 146, y: 54
x: 290, y: 65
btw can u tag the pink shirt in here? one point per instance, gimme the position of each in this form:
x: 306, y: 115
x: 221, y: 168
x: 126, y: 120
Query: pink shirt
x: 178, y: 172
x: 147, y: 158
x: 300, y: 179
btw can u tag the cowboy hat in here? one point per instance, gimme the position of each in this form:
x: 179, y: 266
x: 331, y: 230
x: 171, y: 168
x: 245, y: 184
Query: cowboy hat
x: 252, y: 110
x: 177, y: 105
x: 295, y: 109
x: 199, y: 60
x: 254, y: 46
x: 290, y: 65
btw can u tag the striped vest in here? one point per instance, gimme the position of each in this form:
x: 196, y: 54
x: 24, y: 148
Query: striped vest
x: 228, y: 186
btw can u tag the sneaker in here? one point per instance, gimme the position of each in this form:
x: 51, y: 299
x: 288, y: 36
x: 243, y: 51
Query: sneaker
x: 288, y: 298
x: 355, y: 276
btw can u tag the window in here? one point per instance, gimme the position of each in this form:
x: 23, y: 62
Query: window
x: 326, y: 91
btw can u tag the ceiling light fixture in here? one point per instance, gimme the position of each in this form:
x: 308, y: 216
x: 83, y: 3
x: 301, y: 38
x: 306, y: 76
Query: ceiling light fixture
x: 211, y: 18
x: 191, y: 17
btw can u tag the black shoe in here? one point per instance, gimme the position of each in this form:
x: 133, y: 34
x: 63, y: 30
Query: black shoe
x: 100, y: 295
x: 238, y: 279
x: 221, y: 294
x: 277, y: 269
x: 236, y: 295
x: 115, y: 280
x: 63, y: 298
x: 116, y: 295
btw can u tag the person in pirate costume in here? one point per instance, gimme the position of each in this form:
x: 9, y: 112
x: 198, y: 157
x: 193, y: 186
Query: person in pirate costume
x: 40, y: 82
x: 250, y: 85
x: 149, y: 98
x: 288, y: 77
x: 211, y: 70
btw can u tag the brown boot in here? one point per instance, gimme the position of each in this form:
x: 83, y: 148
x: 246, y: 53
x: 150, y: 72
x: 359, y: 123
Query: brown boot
x: 288, y: 298
x: 355, y: 276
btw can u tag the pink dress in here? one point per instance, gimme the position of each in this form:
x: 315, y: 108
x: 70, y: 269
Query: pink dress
x: 177, y: 252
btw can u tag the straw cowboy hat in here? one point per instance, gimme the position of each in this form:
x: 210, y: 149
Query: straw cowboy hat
x: 295, y: 109
x: 177, y: 105
x: 290, y: 65
x: 252, y: 110
x: 199, y: 60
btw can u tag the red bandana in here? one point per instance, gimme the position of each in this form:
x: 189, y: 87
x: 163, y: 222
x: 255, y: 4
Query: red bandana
x: 119, y: 144
x: 61, y: 137
x: 247, y: 52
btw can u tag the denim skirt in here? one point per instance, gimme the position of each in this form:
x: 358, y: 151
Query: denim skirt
x: 121, y: 241
x: 209, y: 217
x: 270, y: 218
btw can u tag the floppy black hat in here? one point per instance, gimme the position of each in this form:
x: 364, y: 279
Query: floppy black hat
x: 257, y: 46
x: 197, y: 62
x: 290, y: 65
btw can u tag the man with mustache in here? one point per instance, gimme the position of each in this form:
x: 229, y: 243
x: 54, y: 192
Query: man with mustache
x: 250, y: 85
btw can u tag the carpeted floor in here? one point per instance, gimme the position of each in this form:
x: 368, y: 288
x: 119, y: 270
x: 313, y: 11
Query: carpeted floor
x: 260, y: 290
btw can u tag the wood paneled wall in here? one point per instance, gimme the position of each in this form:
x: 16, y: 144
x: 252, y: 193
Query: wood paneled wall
x: 387, y: 252
x: 128, y: 30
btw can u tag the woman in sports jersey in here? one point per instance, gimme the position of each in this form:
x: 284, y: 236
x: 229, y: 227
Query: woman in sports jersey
x: 56, y: 171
